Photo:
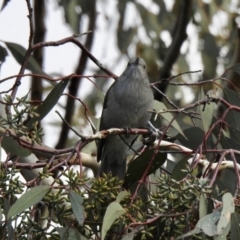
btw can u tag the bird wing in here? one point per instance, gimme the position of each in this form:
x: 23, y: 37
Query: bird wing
x: 102, y: 126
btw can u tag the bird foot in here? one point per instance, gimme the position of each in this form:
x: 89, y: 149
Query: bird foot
x: 127, y: 129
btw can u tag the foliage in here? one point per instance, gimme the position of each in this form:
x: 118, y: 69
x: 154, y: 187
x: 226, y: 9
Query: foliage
x: 185, y: 184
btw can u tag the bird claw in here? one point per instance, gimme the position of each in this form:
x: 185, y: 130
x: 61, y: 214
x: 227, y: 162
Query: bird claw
x: 127, y: 129
x: 154, y: 134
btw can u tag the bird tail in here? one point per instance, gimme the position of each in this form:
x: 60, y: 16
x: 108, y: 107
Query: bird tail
x: 116, y: 167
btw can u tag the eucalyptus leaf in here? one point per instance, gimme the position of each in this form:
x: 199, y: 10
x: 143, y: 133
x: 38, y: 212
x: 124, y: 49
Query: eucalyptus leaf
x: 113, y: 212
x: 194, y: 135
x: 122, y: 195
x: 19, y: 53
x: 224, y: 234
x: 67, y: 233
x: 202, y: 205
x: 139, y: 165
x: 28, y: 199
x: 159, y: 107
x: 177, y: 172
x: 207, y: 114
x: 207, y: 224
x: 233, y: 116
x: 236, y: 68
x: 11, y: 146
x: 129, y: 236
x: 63, y: 232
x: 3, y: 54
x: 227, y: 209
x: 6, y: 207
x: 75, y: 235
x: 49, y: 102
x: 77, y: 207
x: 235, y: 223
x: 4, y: 4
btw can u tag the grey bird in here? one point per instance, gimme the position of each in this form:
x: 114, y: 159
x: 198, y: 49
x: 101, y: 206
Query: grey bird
x: 126, y: 105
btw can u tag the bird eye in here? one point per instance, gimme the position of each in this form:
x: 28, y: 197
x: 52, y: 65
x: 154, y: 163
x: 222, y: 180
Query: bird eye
x: 144, y: 66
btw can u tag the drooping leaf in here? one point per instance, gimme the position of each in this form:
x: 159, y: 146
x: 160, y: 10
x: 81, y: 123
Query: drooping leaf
x: 11, y: 146
x: 227, y: 143
x: 4, y: 4
x: 233, y: 116
x: 159, y: 106
x: 194, y: 135
x: 70, y: 234
x: 73, y: 11
x: 235, y: 223
x: 177, y: 172
x: 207, y: 224
x: 139, y: 165
x: 49, y: 102
x: 10, y: 230
x: 77, y: 207
x: 169, y: 165
x: 3, y: 54
x: 236, y: 68
x: 63, y: 232
x: 150, y: 22
x: 113, y: 212
x: 202, y: 205
x: 225, y: 232
x: 227, y: 210
x: 124, y: 36
x: 71, y: 15
x: 210, y: 53
x: 75, y: 235
x: 19, y: 53
x: 195, y: 231
x: 122, y: 195
x: 28, y: 199
x: 129, y: 236
x: 207, y: 114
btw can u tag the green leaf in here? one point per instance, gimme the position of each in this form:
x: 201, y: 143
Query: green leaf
x: 194, y: 135
x: 3, y: 54
x: 227, y: 209
x: 195, y: 231
x: 159, y: 106
x: 28, y: 199
x: 236, y: 68
x: 19, y: 53
x: 203, y: 206
x: 138, y: 166
x: 113, y: 212
x: 75, y: 235
x: 49, y: 102
x: 208, y: 223
x: 4, y: 4
x: 122, y: 195
x: 77, y: 207
x: 11, y: 146
x: 207, y: 114
x: 63, y: 232
x: 129, y: 236
x: 177, y: 172
x: 230, y: 143
x: 224, y: 233
x: 233, y: 116
x: 0, y: 154
x: 205, y: 224
x: 235, y: 223
x: 69, y: 234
